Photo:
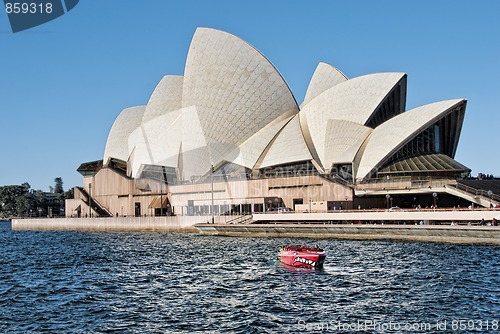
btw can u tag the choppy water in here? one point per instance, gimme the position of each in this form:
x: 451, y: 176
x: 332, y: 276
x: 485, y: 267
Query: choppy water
x: 83, y: 282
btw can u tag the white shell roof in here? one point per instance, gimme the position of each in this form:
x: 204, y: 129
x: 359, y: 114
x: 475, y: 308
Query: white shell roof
x: 166, y: 97
x: 251, y: 150
x: 157, y: 139
x: 354, y: 100
x: 325, y: 76
x: 289, y: 146
x: 235, y: 90
x: 194, y: 144
x: 233, y: 105
x: 387, y: 138
x: 117, y: 145
x: 343, y: 140
x: 157, y: 142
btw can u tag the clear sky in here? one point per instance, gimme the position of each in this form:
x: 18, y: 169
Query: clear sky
x: 63, y: 83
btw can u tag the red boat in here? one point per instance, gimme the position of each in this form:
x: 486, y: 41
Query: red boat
x: 302, y: 256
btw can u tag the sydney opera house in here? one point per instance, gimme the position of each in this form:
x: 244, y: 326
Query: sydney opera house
x: 229, y: 137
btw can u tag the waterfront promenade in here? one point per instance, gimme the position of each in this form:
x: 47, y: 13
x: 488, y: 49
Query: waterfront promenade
x: 454, y: 226
x: 438, y: 216
x: 459, y: 226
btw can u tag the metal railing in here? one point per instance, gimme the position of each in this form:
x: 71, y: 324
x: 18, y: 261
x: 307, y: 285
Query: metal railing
x: 393, y: 179
x: 240, y: 219
x: 476, y: 192
x: 98, y: 207
x: 337, y: 179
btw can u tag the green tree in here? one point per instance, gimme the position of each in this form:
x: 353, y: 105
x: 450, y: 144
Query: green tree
x: 22, y: 201
x: 16, y: 201
x: 40, y: 203
x: 59, y: 186
x: 69, y: 194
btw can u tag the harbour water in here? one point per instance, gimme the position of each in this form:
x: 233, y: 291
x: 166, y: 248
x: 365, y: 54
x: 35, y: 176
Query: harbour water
x: 137, y: 282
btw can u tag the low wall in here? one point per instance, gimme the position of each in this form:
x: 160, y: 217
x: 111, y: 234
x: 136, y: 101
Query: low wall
x: 161, y: 224
x: 364, y: 216
x: 436, y: 233
x: 433, y: 233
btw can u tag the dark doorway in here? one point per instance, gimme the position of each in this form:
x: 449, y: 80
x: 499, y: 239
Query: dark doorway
x: 190, y: 207
x: 297, y: 201
x: 258, y: 208
x: 137, y: 209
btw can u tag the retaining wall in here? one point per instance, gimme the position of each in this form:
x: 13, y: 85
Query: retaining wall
x: 162, y: 224
x: 434, y: 233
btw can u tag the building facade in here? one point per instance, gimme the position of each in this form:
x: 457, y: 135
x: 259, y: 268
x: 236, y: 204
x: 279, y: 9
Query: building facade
x: 229, y: 137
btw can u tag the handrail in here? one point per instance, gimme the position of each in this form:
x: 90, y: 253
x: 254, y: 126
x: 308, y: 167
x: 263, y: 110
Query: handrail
x: 240, y: 219
x: 338, y: 179
x: 392, y: 179
x: 96, y: 204
x: 432, y: 183
x: 476, y: 192
x: 102, y: 207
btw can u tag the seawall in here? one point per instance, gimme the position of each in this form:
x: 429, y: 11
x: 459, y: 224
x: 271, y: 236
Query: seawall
x: 428, y: 233
x: 311, y: 225
x: 160, y: 224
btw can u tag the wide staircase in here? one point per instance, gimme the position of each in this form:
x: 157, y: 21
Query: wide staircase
x: 244, y: 219
x: 483, y: 192
x: 492, y: 185
x: 100, y: 209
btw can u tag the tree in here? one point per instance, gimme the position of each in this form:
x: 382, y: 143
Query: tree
x: 16, y: 201
x: 22, y: 201
x: 69, y: 194
x: 59, y: 186
x: 41, y: 203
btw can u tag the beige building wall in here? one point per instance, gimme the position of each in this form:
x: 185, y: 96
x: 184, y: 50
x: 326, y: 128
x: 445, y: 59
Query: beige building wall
x: 119, y: 194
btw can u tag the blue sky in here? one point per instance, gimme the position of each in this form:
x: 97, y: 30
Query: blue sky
x: 63, y: 83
